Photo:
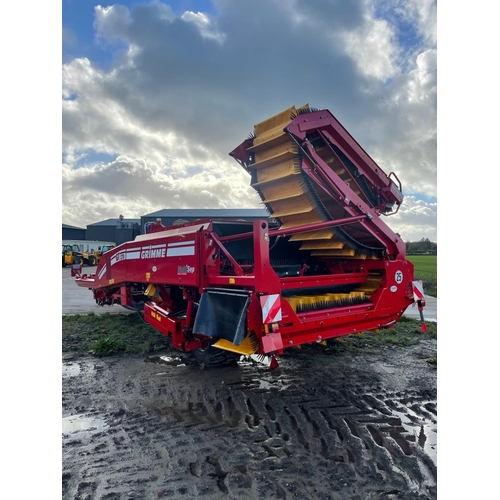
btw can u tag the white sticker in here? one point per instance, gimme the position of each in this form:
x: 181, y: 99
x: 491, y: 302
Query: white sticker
x: 398, y: 277
x: 393, y: 288
x: 154, y: 269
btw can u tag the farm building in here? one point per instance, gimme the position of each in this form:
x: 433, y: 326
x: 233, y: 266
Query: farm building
x: 73, y: 232
x: 120, y: 229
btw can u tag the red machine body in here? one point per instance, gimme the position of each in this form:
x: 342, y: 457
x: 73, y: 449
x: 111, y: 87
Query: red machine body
x: 254, y: 288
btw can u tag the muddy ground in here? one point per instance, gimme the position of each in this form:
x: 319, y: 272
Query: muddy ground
x: 324, y: 425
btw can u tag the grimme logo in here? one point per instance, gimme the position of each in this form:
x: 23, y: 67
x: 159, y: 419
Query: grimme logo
x: 185, y: 270
x: 153, y: 253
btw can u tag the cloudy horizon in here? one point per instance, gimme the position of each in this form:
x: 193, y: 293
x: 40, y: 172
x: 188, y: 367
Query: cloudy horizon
x: 156, y: 95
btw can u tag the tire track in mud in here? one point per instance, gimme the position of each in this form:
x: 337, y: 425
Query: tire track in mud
x: 179, y: 432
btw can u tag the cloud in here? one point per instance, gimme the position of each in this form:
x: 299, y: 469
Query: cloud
x: 415, y: 220
x: 111, y: 23
x: 407, y: 144
x: 204, y: 24
x: 372, y: 48
x: 134, y: 188
x: 183, y: 91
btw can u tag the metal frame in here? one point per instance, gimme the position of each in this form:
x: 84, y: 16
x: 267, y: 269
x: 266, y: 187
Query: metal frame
x: 193, y: 258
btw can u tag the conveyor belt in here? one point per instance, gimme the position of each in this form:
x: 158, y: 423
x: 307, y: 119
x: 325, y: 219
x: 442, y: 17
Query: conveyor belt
x: 292, y: 197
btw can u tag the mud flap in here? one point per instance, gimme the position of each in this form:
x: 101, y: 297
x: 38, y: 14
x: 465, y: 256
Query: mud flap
x: 222, y: 314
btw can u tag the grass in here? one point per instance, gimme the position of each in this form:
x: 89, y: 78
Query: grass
x: 406, y: 332
x: 108, y: 334
x: 426, y: 270
x: 432, y: 360
x: 106, y: 346
x: 114, y: 334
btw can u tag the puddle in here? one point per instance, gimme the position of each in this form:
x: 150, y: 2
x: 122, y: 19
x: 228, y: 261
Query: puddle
x: 70, y: 370
x: 169, y: 359
x: 244, y: 361
x: 263, y: 384
x: 82, y: 423
x: 166, y: 360
x: 255, y: 358
x: 425, y: 433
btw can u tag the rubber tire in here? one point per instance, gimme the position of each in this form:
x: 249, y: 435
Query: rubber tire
x: 91, y: 261
x: 212, y: 357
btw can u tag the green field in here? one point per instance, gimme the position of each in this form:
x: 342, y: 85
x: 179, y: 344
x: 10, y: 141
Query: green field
x: 426, y: 270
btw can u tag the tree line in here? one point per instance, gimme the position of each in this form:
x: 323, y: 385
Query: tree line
x: 424, y: 247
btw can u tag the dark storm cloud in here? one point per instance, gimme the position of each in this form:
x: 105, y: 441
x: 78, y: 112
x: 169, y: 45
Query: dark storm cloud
x: 210, y: 91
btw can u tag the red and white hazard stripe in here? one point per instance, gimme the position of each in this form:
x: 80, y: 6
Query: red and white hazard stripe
x: 418, y: 290
x: 271, y: 308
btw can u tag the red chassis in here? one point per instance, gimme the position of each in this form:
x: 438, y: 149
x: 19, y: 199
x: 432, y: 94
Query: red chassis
x: 325, y: 265
x: 169, y: 271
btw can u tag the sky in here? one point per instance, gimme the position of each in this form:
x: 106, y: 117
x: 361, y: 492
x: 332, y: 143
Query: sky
x: 156, y: 94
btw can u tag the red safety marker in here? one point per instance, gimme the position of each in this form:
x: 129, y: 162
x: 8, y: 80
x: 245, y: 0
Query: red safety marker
x: 418, y: 295
x: 271, y: 308
x: 76, y: 270
x: 274, y: 363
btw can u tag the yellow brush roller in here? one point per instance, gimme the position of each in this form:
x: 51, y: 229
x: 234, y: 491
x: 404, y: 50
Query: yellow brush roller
x: 250, y: 345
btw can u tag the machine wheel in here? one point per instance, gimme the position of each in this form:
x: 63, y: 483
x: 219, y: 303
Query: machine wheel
x: 212, y: 356
x: 92, y: 261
